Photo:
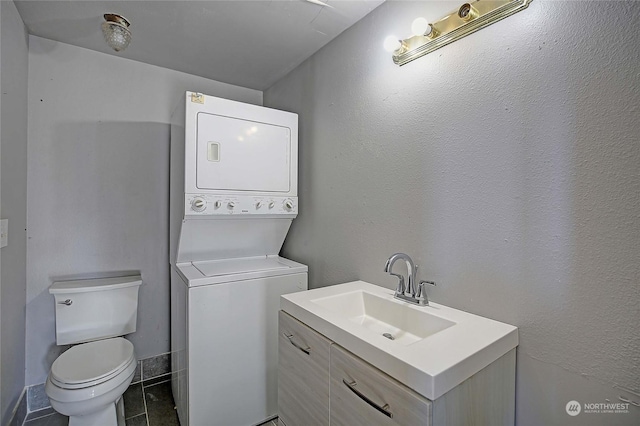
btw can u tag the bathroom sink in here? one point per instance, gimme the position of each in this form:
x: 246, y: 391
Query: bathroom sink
x: 430, y: 349
x: 392, y: 319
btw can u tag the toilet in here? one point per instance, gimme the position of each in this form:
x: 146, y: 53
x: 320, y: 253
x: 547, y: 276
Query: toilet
x: 87, y: 381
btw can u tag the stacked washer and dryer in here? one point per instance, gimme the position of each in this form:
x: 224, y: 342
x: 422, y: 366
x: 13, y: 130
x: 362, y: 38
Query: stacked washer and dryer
x: 234, y: 172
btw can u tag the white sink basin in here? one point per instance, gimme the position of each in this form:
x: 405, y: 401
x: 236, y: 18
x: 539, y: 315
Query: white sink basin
x: 395, y: 321
x: 434, y: 348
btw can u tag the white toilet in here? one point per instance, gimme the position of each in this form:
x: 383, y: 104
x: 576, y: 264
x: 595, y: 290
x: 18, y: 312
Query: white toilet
x: 87, y: 381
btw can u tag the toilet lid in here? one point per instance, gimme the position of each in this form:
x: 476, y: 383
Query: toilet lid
x: 92, y: 363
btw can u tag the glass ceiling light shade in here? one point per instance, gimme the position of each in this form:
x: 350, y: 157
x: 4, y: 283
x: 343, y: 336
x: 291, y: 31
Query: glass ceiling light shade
x: 116, y: 31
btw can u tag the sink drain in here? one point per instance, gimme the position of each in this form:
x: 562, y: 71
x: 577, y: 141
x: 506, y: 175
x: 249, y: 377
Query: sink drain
x: 388, y: 336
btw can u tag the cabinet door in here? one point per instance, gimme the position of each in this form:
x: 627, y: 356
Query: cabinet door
x: 303, y: 374
x: 363, y: 395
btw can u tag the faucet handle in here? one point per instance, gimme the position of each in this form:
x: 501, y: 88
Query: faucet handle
x: 401, y: 287
x: 423, y: 282
x: 421, y: 287
x: 421, y: 293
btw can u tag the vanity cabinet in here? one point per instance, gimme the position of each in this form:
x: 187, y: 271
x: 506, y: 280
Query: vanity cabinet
x: 362, y: 395
x: 321, y: 383
x: 303, y: 374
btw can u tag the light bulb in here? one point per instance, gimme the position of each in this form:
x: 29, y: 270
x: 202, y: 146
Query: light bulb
x: 420, y: 27
x: 391, y: 43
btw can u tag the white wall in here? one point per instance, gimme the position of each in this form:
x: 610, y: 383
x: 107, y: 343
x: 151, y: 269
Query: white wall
x: 1, y: 391
x: 506, y: 165
x: 98, y: 182
x: 13, y: 190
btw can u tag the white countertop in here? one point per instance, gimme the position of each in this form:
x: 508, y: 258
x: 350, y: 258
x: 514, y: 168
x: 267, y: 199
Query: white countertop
x: 431, y: 366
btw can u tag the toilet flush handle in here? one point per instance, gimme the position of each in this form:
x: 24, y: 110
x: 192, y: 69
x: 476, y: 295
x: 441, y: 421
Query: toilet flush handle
x: 66, y: 302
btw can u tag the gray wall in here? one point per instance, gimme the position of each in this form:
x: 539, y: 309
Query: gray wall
x: 98, y: 182
x: 13, y: 192
x: 506, y: 165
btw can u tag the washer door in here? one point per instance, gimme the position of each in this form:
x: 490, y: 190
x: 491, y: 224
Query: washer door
x: 89, y: 364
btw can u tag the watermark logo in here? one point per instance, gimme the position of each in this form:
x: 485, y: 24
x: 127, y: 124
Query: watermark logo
x: 573, y: 408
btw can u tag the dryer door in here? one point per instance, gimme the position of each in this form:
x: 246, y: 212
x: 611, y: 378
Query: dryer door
x: 241, y: 155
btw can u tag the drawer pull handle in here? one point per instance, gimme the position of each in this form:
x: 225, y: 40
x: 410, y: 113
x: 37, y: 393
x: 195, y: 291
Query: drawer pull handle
x: 384, y: 409
x: 306, y: 350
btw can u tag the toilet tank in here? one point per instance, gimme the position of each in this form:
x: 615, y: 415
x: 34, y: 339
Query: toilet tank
x: 95, y: 309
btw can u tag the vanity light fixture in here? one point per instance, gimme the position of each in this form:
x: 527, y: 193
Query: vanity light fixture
x: 115, y: 29
x: 470, y: 17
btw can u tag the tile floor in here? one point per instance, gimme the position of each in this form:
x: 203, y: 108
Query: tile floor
x: 147, y: 403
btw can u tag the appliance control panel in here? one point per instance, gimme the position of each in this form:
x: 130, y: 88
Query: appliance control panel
x: 225, y: 205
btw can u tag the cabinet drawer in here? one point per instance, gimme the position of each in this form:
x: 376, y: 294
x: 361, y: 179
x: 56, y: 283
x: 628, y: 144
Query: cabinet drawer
x: 303, y: 374
x: 363, y: 395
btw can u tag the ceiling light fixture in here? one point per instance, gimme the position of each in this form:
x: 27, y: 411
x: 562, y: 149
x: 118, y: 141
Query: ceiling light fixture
x: 470, y: 17
x: 116, y: 31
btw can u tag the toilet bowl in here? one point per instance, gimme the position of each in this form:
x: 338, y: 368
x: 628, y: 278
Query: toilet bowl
x: 86, y: 382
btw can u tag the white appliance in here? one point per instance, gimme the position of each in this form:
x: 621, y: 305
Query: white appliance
x: 233, y: 197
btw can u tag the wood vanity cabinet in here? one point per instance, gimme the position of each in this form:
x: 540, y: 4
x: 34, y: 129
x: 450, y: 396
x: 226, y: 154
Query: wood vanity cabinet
x: 321, y: 383
x: 303, y: 374
x: 362, y: 395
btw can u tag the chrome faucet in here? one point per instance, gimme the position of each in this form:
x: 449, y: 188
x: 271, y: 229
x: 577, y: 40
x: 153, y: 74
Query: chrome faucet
x: 409, y: 293
x: 411, y: 272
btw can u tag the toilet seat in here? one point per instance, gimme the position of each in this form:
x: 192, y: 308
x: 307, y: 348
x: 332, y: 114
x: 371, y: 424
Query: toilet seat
x: 93, y: 363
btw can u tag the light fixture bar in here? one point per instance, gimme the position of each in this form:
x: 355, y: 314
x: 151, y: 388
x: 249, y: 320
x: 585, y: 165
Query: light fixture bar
x: 469, y: 18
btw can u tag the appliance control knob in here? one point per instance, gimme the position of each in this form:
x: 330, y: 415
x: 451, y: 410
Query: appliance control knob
x: 217, y: 204
x: 272, y: 204
x: 288, y: 205
x: 258, y: 205
x: 231, y: 205
x: 198, y: 204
